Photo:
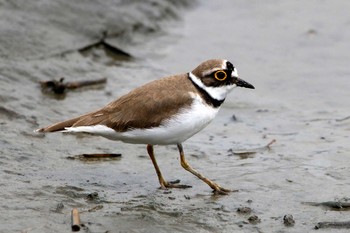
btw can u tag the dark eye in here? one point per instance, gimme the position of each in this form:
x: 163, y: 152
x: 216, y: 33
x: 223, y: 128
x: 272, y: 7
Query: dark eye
x: 220, y: 75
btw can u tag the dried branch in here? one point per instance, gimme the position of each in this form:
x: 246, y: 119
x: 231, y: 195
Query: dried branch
x: 75, y: 220
x: 59, y: 87
x: 245, y: 153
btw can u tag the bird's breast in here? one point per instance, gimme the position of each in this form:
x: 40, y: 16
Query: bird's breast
x: 178, y: 128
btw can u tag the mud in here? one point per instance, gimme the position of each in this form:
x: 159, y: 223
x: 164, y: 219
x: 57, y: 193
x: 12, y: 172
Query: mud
x: 294, y: 53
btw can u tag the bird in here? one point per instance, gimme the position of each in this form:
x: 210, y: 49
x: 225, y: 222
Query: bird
x: 166, y: 111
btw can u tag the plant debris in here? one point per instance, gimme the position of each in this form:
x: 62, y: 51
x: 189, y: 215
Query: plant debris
x: 95, y: 208
x: 247, y: 153
x: 75, y: 220
x: 94, y: 157
x: 343, y: 119
x: 337, y: 225
x: 59, y: 87
x: 335, y: 205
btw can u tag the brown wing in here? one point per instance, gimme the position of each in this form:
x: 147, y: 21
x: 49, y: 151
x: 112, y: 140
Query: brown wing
x: 144, y: 107
x: 59, y: 126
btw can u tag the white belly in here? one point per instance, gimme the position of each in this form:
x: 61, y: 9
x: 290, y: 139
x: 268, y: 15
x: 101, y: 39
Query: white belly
x: 175, y: 130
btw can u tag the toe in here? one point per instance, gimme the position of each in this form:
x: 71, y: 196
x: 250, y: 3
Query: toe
x: 222, y: 191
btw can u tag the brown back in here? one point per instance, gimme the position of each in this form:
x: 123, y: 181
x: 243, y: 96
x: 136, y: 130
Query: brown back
x: 144, y: 107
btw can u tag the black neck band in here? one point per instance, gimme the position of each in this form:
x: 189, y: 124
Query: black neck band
x: 208, y: 99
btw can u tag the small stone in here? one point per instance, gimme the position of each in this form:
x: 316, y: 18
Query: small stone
x: 92, y: 196
x: 244, y: 210
x: 59, y: 207
x: 254, y: 219
x: 234, y: 118
x: 288, y: 220
x: 262, y: 110
x: 311, y: 32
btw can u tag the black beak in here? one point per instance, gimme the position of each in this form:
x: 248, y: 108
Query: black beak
x: 242, y: 83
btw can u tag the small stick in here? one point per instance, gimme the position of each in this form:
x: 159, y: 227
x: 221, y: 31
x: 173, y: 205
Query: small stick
x: 337, y: 225
x: 59, y: 87
x: 270, y: 143
x: 77, y: 84
x: 75, y: 220
x: 254, y: 150
x: 331, y: 204
x: 100, y: 155
x: 343, y: 119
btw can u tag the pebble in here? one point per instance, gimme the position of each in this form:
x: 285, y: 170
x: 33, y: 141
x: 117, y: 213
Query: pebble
x: 254, y: 219
x: 244, y: 210
x: 288, y: 220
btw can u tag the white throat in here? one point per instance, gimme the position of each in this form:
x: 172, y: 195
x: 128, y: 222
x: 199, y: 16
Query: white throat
x: 218, y: 93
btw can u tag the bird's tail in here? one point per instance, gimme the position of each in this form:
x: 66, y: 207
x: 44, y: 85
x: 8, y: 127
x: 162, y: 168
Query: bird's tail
x: 58, y: 126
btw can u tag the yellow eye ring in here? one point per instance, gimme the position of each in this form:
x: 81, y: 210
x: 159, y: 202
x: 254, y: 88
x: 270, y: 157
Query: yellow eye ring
x: 220, y: 75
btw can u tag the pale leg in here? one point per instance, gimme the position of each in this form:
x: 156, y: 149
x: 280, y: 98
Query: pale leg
x: 216, y: 188
x: 163, y: 183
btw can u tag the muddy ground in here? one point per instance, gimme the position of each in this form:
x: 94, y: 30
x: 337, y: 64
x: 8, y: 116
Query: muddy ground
x: 295, y: 53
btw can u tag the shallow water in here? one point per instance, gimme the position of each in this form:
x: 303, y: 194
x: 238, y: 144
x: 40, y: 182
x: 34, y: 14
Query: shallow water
x: 295, y: 54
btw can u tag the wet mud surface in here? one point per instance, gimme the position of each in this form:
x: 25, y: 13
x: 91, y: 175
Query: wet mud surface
x: 295, y: 54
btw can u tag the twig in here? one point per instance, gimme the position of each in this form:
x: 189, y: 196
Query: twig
x: 330, y: 204
x: 342, y: 119
x: 98, y: 207
x: 248, y: 152
x: 96, y: 156
x: 74, y: 85
x: 270, y: 143
x: 106, y: 46
x: 58, y: 86
x: 338, y: 225
x: 75, y: 220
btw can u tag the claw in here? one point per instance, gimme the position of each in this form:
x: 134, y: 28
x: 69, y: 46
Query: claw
x: 222, y: 191
x: 167, y: 185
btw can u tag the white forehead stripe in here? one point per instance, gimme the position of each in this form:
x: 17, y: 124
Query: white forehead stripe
x: 224, y: 64
x: 211, y: 71
x: 234, y: 73
x: 223, y: 67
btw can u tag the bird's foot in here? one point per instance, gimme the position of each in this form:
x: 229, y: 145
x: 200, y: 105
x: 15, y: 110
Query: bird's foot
x: 218, y: 190
x: 173, y: 184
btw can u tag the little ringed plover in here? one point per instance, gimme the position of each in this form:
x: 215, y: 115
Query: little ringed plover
x: 166, y: 111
